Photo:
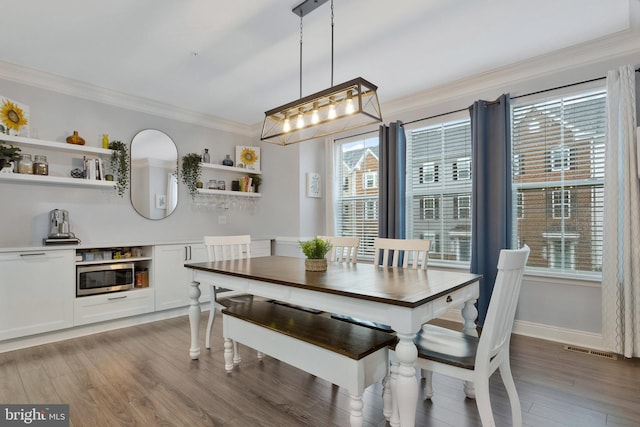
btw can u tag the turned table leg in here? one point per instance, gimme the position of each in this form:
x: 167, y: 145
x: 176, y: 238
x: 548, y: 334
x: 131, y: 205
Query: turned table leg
x: 194, y: 319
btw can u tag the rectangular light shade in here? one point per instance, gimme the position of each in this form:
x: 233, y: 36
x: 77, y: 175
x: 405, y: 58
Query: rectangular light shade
x: 345, y: 106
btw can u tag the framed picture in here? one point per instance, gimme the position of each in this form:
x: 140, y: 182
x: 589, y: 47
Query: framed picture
x: 248, y: 157
x: 14, y: 117
x: 314, y: 188
x: 161, y: 201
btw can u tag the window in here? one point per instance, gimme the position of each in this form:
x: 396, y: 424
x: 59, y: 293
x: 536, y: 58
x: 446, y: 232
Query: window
x: 560, y: 181
x: 430, y: 208
x: 370, y: 180
x: 462, y: 169
x: 561, y: 204
x: 357, y: 204
x: 439, y: 209
x: 428, y: 173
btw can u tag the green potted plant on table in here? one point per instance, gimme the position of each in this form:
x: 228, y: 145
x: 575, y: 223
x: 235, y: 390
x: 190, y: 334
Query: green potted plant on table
x: 8, y: 154
x: 120, y: 165
x: 191, y: 171
x: 315, y: 250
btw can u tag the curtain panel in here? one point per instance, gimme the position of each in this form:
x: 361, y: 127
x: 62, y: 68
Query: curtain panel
x: 621, y: 248
x: 392, y: 181
x: 491, y: 192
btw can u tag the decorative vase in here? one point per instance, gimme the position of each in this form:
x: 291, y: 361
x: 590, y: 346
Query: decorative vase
x: 227, y: 161
x: 75, y: 139
x: 315, y: 264
x: 206, y: 157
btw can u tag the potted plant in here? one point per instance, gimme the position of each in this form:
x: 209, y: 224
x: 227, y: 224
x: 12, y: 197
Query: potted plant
x: 315, y: 250
x: 120, y: 165
x: 8, y: 154
x: 255, y: 180
x: 191, y: 171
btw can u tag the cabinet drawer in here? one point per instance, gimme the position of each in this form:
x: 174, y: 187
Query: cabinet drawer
x: 115, y: 305
x: 453, y: 299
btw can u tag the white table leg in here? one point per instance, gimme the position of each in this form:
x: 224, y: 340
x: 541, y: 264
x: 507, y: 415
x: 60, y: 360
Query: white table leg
x: 355, y: 416
x: 194, y: 319
x: 407, y: 384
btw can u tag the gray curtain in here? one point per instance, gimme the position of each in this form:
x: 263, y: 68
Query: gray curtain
x: 392, y: 181
x: 491, y: 192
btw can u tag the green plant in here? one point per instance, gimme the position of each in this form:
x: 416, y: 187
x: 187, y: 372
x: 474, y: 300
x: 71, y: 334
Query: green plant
x: 120, y: 165
x: 255, y: 179
x: 191, y: 171
x: 9, y: 153
x: 316, y: 248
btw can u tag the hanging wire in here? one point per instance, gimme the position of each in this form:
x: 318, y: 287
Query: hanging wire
x: 300, y: 54
x: 332, y: 25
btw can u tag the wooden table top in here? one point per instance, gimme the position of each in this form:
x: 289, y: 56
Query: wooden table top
x: 388, y: 285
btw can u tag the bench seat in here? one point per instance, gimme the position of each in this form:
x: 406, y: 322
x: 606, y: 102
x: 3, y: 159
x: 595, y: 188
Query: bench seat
x: 345, y: 354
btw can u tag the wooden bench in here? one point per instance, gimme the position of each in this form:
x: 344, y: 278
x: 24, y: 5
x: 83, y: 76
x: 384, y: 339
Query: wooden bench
x: 345, y: 354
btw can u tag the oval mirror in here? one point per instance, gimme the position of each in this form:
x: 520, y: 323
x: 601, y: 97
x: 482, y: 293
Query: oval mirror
x: 154, y: 184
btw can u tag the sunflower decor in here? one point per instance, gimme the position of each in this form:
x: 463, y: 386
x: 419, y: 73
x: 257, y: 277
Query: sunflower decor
x: 14, y: 116
x: 248, y: 156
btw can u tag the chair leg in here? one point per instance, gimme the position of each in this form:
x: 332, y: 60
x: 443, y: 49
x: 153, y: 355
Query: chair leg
x: 228, y: 355
x: 483, y: 401
x: 236, y: 354
x: 395, y: 411
x: 212, y: 315
x: 509, y: 384
x: 428, y: 383
x: 386, y: 396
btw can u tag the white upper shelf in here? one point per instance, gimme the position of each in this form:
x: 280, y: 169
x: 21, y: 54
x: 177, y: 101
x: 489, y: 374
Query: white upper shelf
x: 230, y: 168
x: 54, y: 145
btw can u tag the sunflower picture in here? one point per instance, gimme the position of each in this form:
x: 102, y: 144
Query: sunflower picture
x: 14, y: 116
x: 248, y: 156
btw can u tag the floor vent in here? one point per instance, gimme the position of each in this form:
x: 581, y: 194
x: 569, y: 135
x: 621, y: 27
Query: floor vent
x: 598, y: 353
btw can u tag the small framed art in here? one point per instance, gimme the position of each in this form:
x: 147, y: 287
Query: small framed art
x: 314, y: 187
x: 248, y: 157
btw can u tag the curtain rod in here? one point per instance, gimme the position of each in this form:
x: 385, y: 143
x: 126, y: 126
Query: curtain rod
x: 465, y: 109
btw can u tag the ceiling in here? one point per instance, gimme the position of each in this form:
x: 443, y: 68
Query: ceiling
x: 236, y: 59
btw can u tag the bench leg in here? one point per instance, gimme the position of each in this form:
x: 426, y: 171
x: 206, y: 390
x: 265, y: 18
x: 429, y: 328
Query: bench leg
x: 236, y: 354
x: 356, y: 405
x: 228, y: 355
x: 386, y: 396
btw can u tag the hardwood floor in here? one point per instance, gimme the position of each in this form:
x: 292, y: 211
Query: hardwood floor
x: 142, y: 376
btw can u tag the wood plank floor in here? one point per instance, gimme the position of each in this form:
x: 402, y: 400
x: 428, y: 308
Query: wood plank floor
x: 143, y: 376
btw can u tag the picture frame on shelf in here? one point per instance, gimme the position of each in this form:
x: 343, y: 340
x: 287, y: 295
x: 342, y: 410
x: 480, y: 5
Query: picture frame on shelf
x: 14, y: 117
x: 248, y: 157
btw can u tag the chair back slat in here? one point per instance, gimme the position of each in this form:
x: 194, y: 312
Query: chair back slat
x: 496, y: 331
x: 222, y: 248
x: 344, y: 248
x: 403, y: 253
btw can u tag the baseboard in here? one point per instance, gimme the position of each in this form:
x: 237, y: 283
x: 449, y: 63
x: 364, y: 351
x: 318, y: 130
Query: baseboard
x: 546, y: 332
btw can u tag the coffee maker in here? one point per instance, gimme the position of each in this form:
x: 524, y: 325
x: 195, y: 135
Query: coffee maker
x: 59, y: 224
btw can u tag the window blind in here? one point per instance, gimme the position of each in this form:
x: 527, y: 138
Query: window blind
x: 439, y: 176
x: 558, y: 180
x: 357, y: 199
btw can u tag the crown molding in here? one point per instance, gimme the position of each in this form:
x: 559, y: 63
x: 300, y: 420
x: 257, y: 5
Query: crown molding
x: 596, y: 55
x: 79, y: 89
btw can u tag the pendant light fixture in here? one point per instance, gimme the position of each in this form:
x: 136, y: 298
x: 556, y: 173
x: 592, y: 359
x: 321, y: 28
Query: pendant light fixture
x: 339, y: 108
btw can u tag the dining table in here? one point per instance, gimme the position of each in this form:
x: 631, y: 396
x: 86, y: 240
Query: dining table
x: 402, y: 298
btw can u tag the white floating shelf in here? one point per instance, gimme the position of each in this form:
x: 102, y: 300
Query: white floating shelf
x: 230, y: 168
x: 228, y: 193
x: 54, y: 145
x: 47, y: 179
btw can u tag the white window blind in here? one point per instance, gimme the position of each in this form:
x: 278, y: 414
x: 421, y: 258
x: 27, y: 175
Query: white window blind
x: 558, y: 153
x: 439, y: 180
x: 357, y: 199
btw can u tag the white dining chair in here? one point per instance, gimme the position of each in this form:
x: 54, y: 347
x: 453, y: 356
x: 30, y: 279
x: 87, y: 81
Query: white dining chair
x: 222, y: 248
x: 470, y: 358
x: 344, y: 249
x: 405, y: 253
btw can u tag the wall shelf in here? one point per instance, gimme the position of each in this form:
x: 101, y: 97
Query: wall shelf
x: 54, y: 145
x: 230, y: 169
x: 48, y: 179
x: 228, y: 193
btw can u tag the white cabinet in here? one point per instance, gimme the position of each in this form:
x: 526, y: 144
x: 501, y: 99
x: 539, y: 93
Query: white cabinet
x: 98, y: 308
x: 37, y: 290
x: 171, y: 279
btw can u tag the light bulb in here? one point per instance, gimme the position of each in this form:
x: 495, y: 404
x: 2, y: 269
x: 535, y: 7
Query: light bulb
x: 300, y: 120
x: 349, y: 109
x: 332, y: 109
x: 286, y: 127
x: 315, y: 116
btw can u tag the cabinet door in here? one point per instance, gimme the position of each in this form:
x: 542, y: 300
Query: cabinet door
x: 171, y: 279
x: 37, y: 289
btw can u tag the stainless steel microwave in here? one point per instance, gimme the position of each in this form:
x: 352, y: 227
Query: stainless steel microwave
x: 103, y: 278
